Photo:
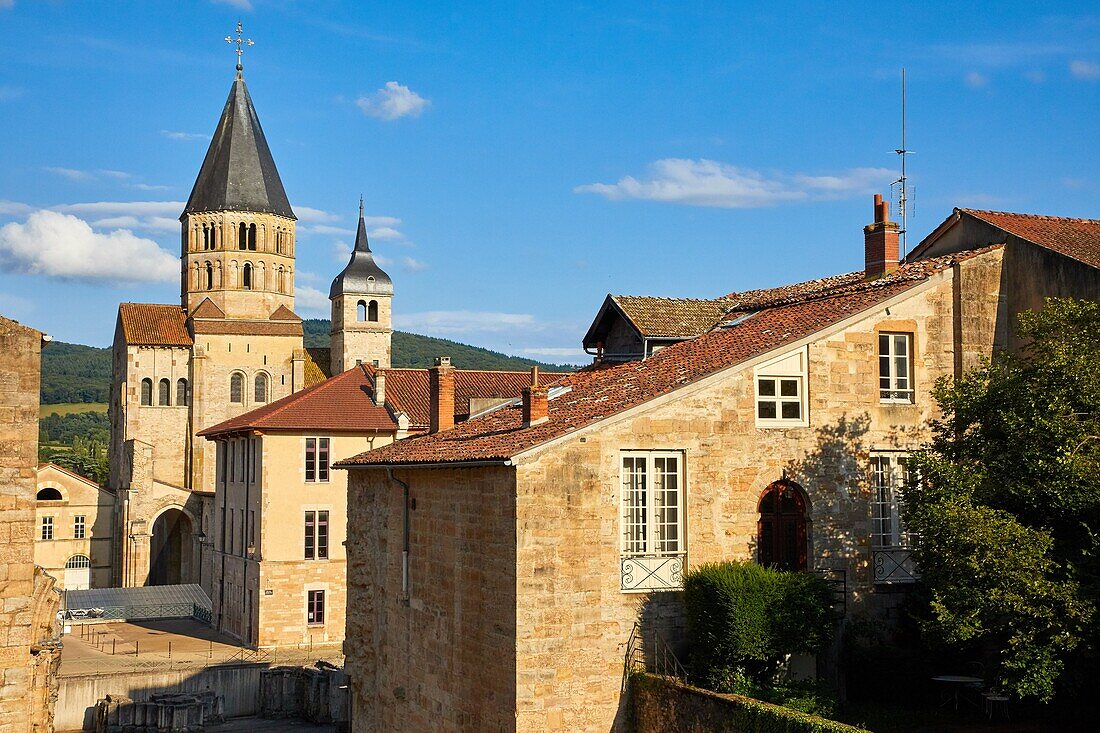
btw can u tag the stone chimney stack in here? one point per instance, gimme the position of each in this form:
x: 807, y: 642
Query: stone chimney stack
x: 536, y: 407
x: 441, y: 387
x: 880, y: 242
x: 379, y: 387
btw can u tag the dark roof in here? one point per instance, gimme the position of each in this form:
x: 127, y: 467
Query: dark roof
x: 362, y: 274
x: 654, y: 317
x: 238, y: 173
x: 343, y: 403
x: 602, y: 390
x: 147, y: 324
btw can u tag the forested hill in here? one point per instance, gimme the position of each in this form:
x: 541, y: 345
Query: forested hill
x: 414, y: 350
x: 75, y: 373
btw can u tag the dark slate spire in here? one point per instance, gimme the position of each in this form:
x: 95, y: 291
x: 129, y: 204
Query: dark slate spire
x: 362, y: 275
x: 238, y: 173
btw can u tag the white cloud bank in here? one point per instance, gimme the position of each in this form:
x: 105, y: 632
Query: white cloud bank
x: 392, y: 102
x: 311, y: 301
x: 451, y: 323
x: 63, y: 246
x: 711, y: 183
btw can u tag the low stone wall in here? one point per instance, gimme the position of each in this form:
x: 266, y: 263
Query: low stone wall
x: 664, y: 705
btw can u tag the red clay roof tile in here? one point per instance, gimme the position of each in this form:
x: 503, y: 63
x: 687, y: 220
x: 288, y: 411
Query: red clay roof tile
x: 1076, y: 238
x: 147, y: 324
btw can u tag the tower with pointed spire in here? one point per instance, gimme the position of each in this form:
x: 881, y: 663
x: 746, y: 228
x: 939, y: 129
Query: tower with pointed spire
x: 362, y: 299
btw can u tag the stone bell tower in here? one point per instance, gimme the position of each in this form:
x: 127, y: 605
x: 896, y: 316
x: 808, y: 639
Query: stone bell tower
x: 238, y: 227
x: 362, y: 297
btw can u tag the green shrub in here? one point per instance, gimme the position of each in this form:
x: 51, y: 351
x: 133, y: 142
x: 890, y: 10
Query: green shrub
x: 742, y: 616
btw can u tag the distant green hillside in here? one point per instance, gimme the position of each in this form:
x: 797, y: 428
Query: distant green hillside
x: 414, y: 350
x: 75, y: 373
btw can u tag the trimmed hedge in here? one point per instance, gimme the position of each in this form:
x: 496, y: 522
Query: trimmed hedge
x: 745, y: 616
x: 664, y: 704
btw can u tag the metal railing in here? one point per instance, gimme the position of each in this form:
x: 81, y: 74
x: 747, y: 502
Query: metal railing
x: 652, y: 572
x: 894, y: 565
x: 653, y: 655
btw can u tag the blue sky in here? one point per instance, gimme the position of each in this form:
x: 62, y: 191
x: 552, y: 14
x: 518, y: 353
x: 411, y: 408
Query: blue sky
x: 519, y: 161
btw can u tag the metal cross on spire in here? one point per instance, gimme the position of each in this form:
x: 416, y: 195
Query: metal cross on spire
x: 240, y: 43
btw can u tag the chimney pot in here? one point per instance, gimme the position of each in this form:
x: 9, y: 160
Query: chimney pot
x: 536, y: 403
x: 441, y: 387
x: 880, y: 242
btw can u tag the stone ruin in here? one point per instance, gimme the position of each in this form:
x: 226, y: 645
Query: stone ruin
x: 171, y: 712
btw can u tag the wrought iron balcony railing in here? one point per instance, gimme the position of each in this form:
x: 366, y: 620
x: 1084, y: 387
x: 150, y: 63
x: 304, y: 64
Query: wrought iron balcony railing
x: 652, y: 572
x: 894, y: 565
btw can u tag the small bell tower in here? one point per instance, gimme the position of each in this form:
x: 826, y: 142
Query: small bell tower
x: 362, y: 312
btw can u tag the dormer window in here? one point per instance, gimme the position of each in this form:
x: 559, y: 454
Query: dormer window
x: 780, y: 391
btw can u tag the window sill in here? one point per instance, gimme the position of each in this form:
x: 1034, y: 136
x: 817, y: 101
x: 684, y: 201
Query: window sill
x: 766, y: 424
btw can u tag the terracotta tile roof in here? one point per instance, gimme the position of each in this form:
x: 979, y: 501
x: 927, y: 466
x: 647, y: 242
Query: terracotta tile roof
x: 208, y: 309
x: 671, y: 317
x: 343, y: 403
x: 282, y: 313
x: 146, y: 324
x: 318, y: 366
x: 407, y: 390
x: 229, y: 327
x: 602, y: 390
x: 1076, y: 238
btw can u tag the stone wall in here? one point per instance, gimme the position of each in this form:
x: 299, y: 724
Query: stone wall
x: 29, y: 602
x: 663, y: 705
x: 441, y: 658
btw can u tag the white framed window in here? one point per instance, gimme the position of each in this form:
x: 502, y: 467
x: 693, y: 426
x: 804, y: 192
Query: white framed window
x: 652, y: 539
x: 78, y: 527
x: 889, y: 476
x: 47, y: 528
x: 779, y: 390
x: 895, y: 367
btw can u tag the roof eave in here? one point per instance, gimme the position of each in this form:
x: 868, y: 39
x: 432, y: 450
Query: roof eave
x: 480, y: 463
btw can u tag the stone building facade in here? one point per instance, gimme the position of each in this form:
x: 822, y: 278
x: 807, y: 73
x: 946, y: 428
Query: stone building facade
x: 232, y: 345
x: 538, y: 534
x: 29, y: 651
x: 74, y: 528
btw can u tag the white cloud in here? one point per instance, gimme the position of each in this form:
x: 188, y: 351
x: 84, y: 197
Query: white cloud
x: 14, y: 208
x: 392, y: 102
x: 310, y: 300
x: 149, y: 187
x: 464, y: 322
x: 177, y: 135
x: 711, y: 183
x: 117, y: 175
x: 307, y: 214
x: 155, y: 216
x: 341, y: 251
x: 976, y: 80
x: 1087, y: 70
x: 238, y: 4
x: 327, y: 229
x: 63, y: 246
x: 71, y: 173
x: 411, y: 265
x: 385, y: 233
x: 556, y: 351
x: 381, y: 221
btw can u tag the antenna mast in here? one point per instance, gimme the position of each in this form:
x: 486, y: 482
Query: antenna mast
x: 903, y: 198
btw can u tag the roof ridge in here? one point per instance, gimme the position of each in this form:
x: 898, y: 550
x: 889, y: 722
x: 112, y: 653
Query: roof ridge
x: 670, y: 298
x: 1045, y: 217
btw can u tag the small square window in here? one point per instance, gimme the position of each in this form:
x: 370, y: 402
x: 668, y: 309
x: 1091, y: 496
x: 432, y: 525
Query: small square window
x: 779, y: 398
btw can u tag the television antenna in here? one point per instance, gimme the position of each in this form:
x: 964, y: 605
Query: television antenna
x: 901, y: 183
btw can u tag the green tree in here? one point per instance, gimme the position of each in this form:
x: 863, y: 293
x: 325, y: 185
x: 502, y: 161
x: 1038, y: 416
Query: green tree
x: 1006, y: 506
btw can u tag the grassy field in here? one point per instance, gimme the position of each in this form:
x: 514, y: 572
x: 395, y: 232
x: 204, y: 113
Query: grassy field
x: 71, y: 408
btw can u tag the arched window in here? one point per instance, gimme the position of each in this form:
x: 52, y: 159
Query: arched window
x: 252, y: 236
x: 372, y: 311
x: 209, y: 276
x: 781, y: 532
x: 49, y: 494
x: 78, y: 561
x: 147, y: 391
x: 261, y: 387
x: 205, y: 236
x: 236, y: 388
x: 242, y: 236
x: 246, y: 276
x: 361, y: 311
x: 181, y: 391
x: 164, y: 392
x: 214, y: 237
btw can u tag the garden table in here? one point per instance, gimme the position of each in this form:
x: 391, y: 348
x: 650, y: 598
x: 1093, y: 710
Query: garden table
x: 954, y: 684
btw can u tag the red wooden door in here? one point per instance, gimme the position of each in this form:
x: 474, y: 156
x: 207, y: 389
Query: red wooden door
x: 781, y: 532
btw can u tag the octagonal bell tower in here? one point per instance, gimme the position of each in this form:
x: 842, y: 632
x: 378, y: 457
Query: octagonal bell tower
x: 362, y: 298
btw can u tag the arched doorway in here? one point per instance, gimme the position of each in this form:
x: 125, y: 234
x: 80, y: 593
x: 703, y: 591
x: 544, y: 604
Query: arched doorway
x: 781, y: 532
x: 170, y: 549
x: 78, y: 573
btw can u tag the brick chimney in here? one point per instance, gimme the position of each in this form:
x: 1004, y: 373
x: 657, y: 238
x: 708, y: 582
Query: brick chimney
x: 441, y: 388
x: 379, y: 387
x: 880, y: 242
x: 536, y: 408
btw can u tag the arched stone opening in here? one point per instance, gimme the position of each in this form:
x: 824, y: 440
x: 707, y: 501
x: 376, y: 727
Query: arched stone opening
x: 170, y: 549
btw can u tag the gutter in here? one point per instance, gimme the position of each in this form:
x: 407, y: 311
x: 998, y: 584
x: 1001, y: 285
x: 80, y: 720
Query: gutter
x: 439, y: 464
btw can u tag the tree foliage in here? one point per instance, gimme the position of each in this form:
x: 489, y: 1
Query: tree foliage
x: 1006, y: 508
x: 75, y: 373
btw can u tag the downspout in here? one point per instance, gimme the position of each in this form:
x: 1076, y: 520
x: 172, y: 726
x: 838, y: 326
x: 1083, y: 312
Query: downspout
x: 405, y: 537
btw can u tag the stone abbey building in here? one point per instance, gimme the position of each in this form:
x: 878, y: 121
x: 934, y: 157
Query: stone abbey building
x: 232, y: 344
